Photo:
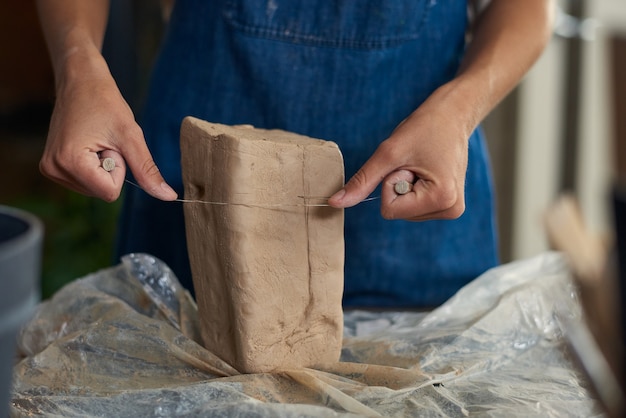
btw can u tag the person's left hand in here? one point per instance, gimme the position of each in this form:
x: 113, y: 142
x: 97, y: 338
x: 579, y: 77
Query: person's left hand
x: 429, y: 149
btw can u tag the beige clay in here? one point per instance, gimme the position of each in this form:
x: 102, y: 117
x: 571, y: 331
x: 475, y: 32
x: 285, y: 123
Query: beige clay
x: 267, y: 269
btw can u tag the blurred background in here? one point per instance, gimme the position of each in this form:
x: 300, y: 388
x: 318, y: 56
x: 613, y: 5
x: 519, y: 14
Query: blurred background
x: 556, y: 132
x: 79, y: 231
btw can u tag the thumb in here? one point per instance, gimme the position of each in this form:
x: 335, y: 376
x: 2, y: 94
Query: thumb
x: 361, y: 185
x: 147, y: 173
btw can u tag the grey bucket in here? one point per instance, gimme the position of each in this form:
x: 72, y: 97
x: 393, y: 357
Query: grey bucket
x: 20, y: 262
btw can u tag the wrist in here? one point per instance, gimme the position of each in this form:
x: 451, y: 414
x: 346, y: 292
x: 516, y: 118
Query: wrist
x: 79, y: 60
x: 464, y: 103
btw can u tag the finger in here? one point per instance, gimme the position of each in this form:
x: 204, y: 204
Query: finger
x: 145, y: 170
x: 70, y: 185
x: 363, y: 183
x: 427, y: 200
x: 118, y: 171
x: 102, y: 183
x: 83, y: 173
x: 389, y: 191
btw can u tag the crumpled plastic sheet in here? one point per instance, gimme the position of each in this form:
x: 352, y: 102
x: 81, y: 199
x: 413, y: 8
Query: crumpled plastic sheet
x: 124, y: 342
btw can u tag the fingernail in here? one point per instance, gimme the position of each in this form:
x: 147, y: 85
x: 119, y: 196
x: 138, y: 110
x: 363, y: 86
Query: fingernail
x: 169, y: 192
x: 339, y: 195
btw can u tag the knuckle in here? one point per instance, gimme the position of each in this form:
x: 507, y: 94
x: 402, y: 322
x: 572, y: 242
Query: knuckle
x: 387, y: 213
x: 359, y: 178
x: 127, y: 125
x: 149, y: 167
x: 389, y: 151
x: 133, y: 130
x: 450, y: 202
x: 447, y: 197
x: 111, y: 196
x: 50, y: 168
x: 45, y: 167
x: 455, y: 211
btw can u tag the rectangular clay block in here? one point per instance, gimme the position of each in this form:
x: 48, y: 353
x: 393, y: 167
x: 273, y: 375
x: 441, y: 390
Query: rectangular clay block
x: 267, y: 270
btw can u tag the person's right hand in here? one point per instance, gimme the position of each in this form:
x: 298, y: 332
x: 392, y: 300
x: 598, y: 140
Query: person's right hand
x: 92, y: 121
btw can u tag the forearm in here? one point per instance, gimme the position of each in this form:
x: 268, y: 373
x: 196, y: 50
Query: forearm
x: 508, y: 37
x: 74, y: 32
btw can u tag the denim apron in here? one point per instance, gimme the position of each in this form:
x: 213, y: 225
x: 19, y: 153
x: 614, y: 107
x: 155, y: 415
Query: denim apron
x: 343, y: 70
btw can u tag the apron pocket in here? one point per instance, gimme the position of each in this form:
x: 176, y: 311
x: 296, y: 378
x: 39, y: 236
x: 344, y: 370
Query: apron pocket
x: 363, y: 24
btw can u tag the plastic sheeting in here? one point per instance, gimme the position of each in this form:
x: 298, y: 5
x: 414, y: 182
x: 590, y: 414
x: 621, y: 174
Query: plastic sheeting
x: 123, y: 342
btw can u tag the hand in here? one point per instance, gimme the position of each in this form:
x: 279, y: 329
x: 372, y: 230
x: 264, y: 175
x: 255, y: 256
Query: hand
x: 429, y: 149
x: 92, y: 121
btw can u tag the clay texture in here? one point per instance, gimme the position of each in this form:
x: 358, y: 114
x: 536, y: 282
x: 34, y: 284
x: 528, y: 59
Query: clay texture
x: 267, y: 267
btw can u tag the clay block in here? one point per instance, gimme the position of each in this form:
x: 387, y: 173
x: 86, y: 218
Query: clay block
x: 267, y: 270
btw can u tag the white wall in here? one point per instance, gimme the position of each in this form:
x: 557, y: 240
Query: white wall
x: 537, y: 150
x: 538, y: 158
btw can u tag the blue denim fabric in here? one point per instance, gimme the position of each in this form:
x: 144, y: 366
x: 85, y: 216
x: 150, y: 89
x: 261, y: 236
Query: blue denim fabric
x: 346, y: 71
